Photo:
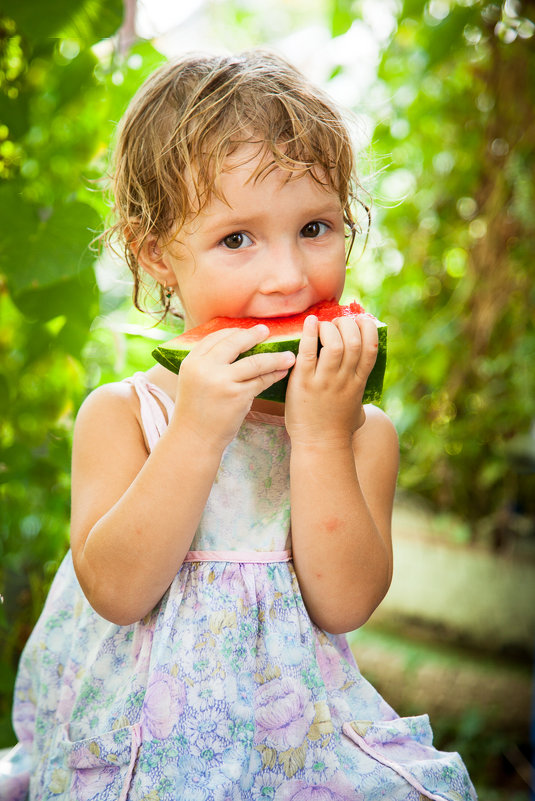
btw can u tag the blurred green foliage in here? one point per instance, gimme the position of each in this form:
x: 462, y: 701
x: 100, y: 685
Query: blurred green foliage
x: 452, y: 273
x: 59, y: 101
x: 455, y: 205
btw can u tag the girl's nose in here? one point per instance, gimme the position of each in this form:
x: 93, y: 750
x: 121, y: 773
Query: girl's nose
x: 285, y: 271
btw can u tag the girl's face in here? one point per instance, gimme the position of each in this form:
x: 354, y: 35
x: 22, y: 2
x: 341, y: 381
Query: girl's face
x: 275, y: 247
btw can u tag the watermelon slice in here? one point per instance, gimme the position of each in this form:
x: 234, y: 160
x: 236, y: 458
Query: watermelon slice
x: 285, y: 333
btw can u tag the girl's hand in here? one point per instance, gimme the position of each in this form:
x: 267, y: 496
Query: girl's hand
x: 324, y: 397
x: 215, y: 392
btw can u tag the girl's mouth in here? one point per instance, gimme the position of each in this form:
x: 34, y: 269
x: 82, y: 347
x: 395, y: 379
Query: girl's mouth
x: 293, y: 313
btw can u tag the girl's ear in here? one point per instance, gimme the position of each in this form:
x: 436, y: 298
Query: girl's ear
x: 153, y: 260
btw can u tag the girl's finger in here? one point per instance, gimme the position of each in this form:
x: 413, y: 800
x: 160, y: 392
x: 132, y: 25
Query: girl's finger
x: 369, y: 346
x: 308, y: 346
x: 207, y: 343
x: 233, y: 341
x: 262, y: 382
x: 260, y: 364
x: 332, y: 351
x: 352, y: 341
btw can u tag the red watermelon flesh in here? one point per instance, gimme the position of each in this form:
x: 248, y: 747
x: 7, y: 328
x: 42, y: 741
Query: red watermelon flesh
x: 278, y: 326
x: 284, y: 334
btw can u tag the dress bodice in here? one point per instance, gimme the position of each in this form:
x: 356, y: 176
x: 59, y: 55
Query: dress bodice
x: 249, y: 504
x: 248, y: 508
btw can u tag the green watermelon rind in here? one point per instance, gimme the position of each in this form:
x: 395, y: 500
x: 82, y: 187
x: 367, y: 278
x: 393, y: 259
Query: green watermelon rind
x: 172, y: 358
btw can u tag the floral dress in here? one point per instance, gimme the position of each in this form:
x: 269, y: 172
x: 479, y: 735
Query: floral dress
x: 226, y: 691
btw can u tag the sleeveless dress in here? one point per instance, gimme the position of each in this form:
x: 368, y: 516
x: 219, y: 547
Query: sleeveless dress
x: 227, y: 691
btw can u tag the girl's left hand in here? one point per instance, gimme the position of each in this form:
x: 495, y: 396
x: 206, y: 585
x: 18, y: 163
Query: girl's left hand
x: 324, y: 397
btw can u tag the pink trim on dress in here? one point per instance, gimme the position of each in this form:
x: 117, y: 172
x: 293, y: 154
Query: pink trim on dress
x: 245, y: 557
x: 350, y: 732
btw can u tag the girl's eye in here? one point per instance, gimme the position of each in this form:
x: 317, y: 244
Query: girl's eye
x: 236, y: 241
x: 313, y: 229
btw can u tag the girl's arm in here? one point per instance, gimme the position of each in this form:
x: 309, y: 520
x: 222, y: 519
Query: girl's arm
x: 134, y: 515
x: 130, y: 527
x: 344, y: 465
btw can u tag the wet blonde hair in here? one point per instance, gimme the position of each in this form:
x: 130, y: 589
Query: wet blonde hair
x: 191, y: 114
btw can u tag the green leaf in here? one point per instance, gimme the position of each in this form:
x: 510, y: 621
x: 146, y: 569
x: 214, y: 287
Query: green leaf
x: 4, y: 394
x: 75, y: 297
x: 447, y: 36
x: 87, y: 20
x: 15, y: 114
x: 40, y: 20
x: 342, y: 17
x: 54, y: 251
x: 95, y: 20
x: 75, y: 78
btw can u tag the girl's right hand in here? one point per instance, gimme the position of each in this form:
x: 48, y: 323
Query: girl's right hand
x: 215, y: 391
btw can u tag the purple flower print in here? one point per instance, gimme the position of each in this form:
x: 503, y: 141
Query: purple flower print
x: 330, y: 665
x: 89, y: 784
x: 15, y: 788
x: 143, y: 636
x: 24, y: 720
x: 163, y: 704
x: 246, y: 581
x: 284, y: 713
x: 66, y: 701
x: 337, y: 789
x: 231, y: 580
x: 15, y: 774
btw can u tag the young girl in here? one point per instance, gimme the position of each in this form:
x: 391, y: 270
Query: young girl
x: 192, y: 643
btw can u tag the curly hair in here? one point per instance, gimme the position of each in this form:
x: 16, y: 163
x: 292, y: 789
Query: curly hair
x: 191, y: 114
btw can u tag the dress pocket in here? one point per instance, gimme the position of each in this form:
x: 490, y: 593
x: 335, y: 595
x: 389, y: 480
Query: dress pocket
x: 100, y: 767
x: 405, y: 745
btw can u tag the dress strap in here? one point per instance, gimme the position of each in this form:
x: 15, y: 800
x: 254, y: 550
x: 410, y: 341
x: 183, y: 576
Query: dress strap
x: 152, y: 417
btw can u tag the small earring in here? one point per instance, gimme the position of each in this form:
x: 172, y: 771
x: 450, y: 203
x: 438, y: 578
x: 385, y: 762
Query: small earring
x: 168, y: 292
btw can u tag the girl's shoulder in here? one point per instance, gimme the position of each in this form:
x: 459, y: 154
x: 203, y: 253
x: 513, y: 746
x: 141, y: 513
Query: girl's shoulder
x: 115, y: 397
x: 110, y: 412
x: 377, y: 422
x: 377, y: 437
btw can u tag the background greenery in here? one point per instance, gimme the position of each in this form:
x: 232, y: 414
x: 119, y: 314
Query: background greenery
x: 450, y: 164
